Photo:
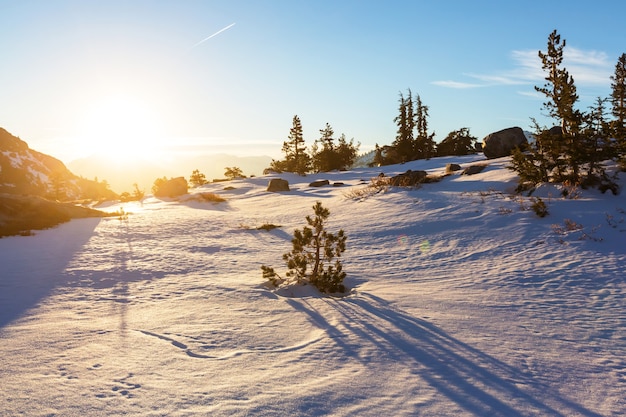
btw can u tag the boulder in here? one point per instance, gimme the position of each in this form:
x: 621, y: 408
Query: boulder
x: 452, y: 167
x: 172, y: 188
x: 473, y: 169
x: 278, y: 184
x: 408, y: 179
x: 319, y: 183
x: 502, y: 143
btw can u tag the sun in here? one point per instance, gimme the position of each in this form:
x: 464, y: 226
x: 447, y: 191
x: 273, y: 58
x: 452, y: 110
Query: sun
x: 121, y: 128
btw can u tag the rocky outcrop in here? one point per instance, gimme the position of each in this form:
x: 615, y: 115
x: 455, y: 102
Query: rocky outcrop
x: 452, y: 168
x: 319, y: 183
x: 277, y: 185
x: 473, y: 169
x: 502, y: 143
x: 408, y: 179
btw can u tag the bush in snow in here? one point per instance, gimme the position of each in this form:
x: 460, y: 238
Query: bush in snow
x: 314, y: 248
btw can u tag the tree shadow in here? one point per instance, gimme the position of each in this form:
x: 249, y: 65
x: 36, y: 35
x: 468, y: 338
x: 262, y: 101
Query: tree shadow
x: 34, y: 266
x: 475, y: 381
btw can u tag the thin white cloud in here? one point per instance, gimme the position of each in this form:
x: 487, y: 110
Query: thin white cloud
x: 455, y: 84
x: 589, y: 68
x: 213, y: 35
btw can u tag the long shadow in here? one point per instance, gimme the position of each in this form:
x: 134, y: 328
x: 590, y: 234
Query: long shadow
x: 33, y: 266
x: 474, y: 380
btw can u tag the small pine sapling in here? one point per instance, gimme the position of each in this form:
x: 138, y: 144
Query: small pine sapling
x: 312, y: 255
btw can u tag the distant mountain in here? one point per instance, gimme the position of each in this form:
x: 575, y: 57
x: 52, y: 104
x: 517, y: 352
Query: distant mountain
x: 122, y: 176
x: 28, y: 172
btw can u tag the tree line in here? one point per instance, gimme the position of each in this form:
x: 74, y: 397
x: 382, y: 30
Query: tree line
x: 413, y: 141
x: 572, y: 152
x: 327, y: 153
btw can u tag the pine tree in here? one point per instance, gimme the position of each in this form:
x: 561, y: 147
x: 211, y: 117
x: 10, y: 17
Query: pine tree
x: 618, y: 101
x: 346, y: 152
x: 403, y: 144
x: 560, y: 91
x: 197, y: 178
x: 424, y: 146
x: 458, y: 142
x: 296, y: 158
x: 323, y: 153
x: 233, y: 172
x: 310, y: 260
x: 328, y: 155
x: 596, y: 143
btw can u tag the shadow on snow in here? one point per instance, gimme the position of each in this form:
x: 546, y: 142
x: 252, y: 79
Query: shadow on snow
x: 475, y: 381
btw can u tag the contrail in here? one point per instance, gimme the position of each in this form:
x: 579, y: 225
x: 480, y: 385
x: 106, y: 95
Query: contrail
x: 215, y: 34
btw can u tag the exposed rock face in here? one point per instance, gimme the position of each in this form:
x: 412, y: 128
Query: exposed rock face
x: 172, y: 188
x: 278, y: 185
x: 502, y: 143
x: 408, y: 179
x: 473, y: 169
x: 319, y: 183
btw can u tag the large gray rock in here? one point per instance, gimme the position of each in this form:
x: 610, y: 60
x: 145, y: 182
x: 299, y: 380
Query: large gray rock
x: 277, y: 185
x: 319, y: 183
x: 502, y: 143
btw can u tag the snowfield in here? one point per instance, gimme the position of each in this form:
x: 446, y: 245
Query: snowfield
x: 463, y: 302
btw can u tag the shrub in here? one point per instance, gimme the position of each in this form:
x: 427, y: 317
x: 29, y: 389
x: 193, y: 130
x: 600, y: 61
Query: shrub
x: 197, y: 178
x: 315, y: 248
x: 233, y: 172
x: 539, y: 207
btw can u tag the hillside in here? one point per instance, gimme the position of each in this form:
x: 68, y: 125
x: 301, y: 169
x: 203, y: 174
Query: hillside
x: 31, y: 186
x: 463, y: 302
x: 26, y: 171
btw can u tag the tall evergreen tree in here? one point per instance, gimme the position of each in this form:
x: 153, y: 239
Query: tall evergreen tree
x: 618, y: 101
x: 403, y: 144
x: 424, y: 146
x: 572, y: 152
x: 346, y: 152
x: 296, y: 158
x: 564, y: 148
x: 596, y: 142
x: 328, y: 155
x: 324, y: 157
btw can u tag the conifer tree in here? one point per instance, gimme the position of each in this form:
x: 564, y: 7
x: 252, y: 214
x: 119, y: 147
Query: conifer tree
x: 312, y: 255
x: 324, y: 157
x: 197, y: 178
x: 458, y: 142
x: 328, y: 155
x: 233, y: 172
x: 424, y: 146
x: 346, y: 152
x: 562, y: 149
x: 403, y: 143
x: 618, y: 101
x: 573, y: 151
x: 296, y: 158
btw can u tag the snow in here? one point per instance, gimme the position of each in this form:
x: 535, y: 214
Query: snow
x: 463, y: 303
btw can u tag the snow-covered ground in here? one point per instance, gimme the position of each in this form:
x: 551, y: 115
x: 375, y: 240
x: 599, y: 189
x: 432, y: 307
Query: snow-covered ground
x: 463, y: 303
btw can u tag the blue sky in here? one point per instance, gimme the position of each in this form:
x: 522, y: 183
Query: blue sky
x: 79, y: 77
